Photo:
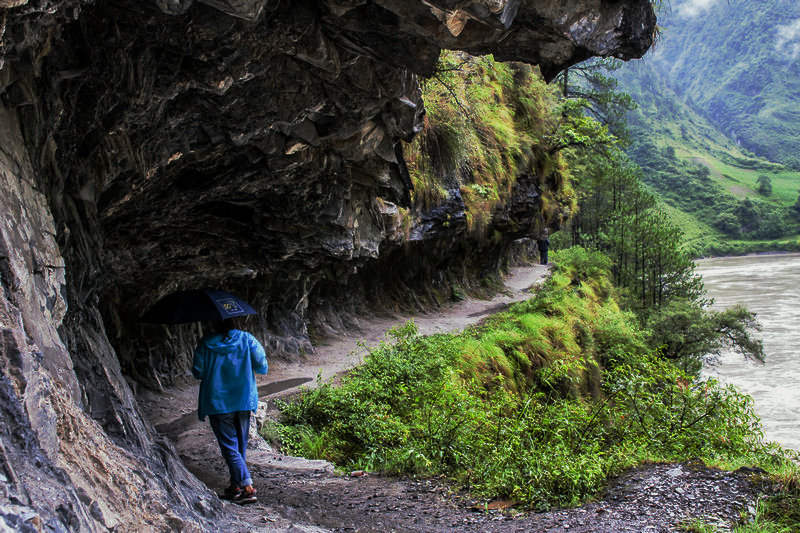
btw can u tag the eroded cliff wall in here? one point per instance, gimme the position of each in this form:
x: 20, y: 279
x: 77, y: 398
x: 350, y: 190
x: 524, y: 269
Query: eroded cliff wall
x: 147, y: 147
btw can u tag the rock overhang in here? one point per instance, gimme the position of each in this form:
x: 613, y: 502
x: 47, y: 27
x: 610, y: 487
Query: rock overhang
x: 553, y: 35
x: 252, y: 143
x: 217, y: 137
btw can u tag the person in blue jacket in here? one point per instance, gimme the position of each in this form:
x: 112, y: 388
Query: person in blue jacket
x: 225, y: 362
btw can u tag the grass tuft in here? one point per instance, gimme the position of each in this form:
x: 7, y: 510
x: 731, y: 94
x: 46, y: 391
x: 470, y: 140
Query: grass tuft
x: 483, y: 129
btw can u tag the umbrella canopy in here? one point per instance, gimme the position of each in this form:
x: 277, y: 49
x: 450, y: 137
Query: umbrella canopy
x: 197, y: 305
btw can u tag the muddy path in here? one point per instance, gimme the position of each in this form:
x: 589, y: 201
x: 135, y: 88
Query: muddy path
x: 302, y: 495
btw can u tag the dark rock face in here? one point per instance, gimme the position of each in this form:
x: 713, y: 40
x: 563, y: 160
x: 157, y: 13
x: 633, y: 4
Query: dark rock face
x: 255, y: 144
x: 553, y: 35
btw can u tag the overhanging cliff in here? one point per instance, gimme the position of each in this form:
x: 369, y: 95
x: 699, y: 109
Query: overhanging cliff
x: 152, y: 146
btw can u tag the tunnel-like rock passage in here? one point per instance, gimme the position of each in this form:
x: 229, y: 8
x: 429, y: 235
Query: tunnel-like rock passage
x: 151, y: 146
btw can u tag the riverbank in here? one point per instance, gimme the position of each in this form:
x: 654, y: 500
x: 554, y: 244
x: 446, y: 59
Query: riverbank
x: 751, y: 254
x: 710, y: 246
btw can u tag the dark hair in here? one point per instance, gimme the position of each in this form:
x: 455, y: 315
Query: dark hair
x: 224, y: 327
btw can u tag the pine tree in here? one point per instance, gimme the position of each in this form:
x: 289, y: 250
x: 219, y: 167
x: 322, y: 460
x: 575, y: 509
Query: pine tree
x: 764, y: 185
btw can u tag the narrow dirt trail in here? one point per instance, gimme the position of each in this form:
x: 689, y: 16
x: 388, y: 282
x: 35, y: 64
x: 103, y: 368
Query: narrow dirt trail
x: 346, y: 351
x: 300, y: 495
x: 338, y: 354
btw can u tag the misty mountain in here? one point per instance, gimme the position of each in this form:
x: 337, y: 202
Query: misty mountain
x: 718, y: 115
x: 737, y: 63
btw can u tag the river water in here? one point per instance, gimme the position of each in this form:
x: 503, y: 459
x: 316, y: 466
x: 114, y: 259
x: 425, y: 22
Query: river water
x: 770, y: 286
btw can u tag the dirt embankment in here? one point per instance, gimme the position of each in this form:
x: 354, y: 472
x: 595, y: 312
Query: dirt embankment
x: 308, y: 496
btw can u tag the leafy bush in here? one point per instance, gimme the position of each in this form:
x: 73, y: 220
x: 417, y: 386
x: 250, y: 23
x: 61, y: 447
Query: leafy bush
x: 685, y: 332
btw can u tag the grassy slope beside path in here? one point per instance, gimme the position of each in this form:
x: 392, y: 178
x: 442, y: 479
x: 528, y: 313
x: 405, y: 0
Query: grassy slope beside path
x: 541, y: 403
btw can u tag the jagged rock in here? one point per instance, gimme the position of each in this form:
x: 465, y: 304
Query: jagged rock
x: 174, y: 7
x: 550, y: 34
x: 147, y: 147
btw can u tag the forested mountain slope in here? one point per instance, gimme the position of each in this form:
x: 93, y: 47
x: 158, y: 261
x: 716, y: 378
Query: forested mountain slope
x: 737, y: 63
x: 702, y: 116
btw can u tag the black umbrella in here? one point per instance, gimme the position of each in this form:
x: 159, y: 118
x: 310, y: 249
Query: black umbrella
x: 197, y: 305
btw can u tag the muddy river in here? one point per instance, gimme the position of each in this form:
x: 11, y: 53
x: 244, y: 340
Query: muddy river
x: 770, y: 286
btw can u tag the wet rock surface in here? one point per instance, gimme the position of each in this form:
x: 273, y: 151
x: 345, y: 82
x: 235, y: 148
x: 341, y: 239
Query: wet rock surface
x: 660, y: 497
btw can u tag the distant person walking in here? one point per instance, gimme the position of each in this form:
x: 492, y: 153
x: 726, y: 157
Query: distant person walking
x: 225, y: 362
x: 544, y: 246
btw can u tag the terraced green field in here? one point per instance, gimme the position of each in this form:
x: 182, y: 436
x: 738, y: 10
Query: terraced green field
x: 672, y: 142
x: 742, y: 181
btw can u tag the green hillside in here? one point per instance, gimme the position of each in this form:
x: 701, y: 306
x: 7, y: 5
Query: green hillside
x: 736, y: 63
x: 709, y: 181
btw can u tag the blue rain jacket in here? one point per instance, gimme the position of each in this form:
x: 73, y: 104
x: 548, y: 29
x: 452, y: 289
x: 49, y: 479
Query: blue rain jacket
x: 225, y: 367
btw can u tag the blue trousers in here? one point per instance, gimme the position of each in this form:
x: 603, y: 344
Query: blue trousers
x: 232, y: 430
